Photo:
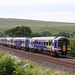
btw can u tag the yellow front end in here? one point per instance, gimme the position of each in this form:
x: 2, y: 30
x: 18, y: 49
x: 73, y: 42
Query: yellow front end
x: 63, y: 46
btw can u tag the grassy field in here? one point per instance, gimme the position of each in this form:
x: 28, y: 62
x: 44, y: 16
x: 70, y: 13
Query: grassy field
x: 37, y: 26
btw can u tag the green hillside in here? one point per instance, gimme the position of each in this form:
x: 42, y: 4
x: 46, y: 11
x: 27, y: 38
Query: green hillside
x: 37, y: 26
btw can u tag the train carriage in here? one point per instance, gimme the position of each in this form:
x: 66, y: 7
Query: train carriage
x: 52, y: 45
x: 42, y: 42
x: 49, y: 45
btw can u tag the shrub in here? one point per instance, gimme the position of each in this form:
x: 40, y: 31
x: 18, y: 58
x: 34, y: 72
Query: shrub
x: 1, y: 54
x: 12, y: 65
x: 19, y: 71
x: 6, y: 65
x: 72, y: 53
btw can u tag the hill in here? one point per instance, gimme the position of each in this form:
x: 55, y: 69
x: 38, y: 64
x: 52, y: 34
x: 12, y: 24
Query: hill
x: 37, y: 26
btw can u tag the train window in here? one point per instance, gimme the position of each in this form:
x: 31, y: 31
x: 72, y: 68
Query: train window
x: 15, y: 41
x: 33, y: 42
x: 29, y: 42
x: 68, y: 44
x: 21, y: 42
x: 44, y: 43
x: 41, y: 43
x: 55, y: 44
x: 64, y: 43
x: 47, y: 43
x: 59, y: 43
x: 36, y: 43
x: 8, y: 41
x: 11, y: 40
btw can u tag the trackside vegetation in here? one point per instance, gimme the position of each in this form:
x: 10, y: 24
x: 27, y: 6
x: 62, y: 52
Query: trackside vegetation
x: 72, y: 53
x: 25, y: 31
x: 12, y: 65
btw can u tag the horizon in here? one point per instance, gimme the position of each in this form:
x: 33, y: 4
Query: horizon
x: 37, y: 20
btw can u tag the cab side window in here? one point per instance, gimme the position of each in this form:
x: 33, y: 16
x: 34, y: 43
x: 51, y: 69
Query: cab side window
x: 59, y: 43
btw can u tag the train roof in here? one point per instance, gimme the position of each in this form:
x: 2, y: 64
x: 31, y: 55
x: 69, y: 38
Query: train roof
x: 19, y: 37
x: 43, y: 38
x: 6, y: 38
x: 60, y: 37
x: 35, y: 38
x: 48, y: 38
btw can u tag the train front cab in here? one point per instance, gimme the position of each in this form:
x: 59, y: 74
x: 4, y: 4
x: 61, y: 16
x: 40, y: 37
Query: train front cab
x: 63, y: 46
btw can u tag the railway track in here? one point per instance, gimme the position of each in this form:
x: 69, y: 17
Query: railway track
x: 61, y: 61
x: 66, y: 62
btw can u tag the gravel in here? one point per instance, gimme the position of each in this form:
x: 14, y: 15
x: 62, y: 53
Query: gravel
x: 43, y: 63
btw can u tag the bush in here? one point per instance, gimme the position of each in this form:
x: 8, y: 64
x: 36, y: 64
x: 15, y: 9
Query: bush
x: 6, y: 65
x: 12, y: 65
x: 19, y: 71
x: 64, y: 34
x: 45, y: 34
x: 1, y: 54
x: 72, y: 53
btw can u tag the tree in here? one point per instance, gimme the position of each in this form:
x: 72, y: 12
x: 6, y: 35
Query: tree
x: 35, y: 35
x: 45, y: 33
x: 19, y: 31
x: 64, y: 34
x: 73, y: 34
x: 1, y: 34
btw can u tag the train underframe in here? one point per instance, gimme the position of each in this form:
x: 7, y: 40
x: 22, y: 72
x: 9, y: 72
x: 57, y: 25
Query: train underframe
x: 36, y: 50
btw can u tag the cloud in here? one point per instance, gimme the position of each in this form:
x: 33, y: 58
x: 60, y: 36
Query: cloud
x: 49, y: 10
x: 33, y: 2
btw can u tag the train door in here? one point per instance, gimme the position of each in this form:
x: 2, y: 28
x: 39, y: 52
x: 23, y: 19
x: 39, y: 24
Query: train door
x: 53, y: 45
x: 64, y: 46
x: 27, y: 43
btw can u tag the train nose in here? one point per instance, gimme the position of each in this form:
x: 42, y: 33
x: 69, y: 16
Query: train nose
x: 64, y: 53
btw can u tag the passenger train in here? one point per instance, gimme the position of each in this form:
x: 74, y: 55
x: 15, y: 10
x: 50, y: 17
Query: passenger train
x: 54, y: 46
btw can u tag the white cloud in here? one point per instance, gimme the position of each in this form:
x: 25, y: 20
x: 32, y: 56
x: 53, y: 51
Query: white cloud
x: 33, y: 2
x: 49, y: 10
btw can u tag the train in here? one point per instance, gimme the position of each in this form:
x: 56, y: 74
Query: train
x: 54, y: 46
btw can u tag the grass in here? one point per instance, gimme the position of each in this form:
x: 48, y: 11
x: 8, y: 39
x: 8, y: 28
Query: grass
x: 53, y: 29
x: 37, y: 26
x: 20, y: 66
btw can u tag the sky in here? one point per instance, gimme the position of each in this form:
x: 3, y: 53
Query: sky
x: 46, y: 10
